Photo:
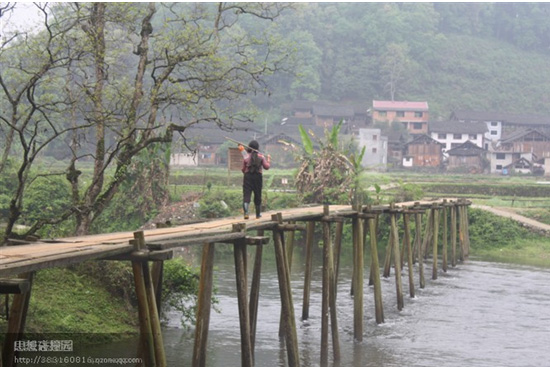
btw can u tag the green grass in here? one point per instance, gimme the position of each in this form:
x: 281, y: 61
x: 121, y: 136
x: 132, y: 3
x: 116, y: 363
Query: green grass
x: 63, y: 301
x: 530, y: 251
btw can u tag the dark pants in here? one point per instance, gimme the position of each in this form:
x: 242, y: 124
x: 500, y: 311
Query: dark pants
x: 252, y: 183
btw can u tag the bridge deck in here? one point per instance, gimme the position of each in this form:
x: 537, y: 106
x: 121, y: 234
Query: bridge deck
x: 61, y: 252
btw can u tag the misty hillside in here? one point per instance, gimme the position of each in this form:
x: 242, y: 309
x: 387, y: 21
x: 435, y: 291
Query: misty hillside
x: 480, y: 56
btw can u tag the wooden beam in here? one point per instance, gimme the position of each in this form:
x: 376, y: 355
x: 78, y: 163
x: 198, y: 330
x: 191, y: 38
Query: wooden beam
x: 14, y: 286
x: 144, y: 255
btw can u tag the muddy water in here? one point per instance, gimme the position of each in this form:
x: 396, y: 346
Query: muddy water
x: 479, y: 314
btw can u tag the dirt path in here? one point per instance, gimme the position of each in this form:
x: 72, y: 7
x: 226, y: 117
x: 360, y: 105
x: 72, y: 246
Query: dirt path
x: 524, y: 221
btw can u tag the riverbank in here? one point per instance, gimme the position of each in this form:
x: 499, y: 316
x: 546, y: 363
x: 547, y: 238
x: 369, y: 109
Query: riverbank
x: 66, y: 302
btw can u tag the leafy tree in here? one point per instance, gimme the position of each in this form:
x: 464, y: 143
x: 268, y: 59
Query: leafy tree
x: 127, y: 76
x: 329, y: 174
x: 307, y: 84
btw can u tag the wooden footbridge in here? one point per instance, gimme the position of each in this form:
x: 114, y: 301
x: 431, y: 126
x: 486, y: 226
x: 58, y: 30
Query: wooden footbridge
x: 446, y: 226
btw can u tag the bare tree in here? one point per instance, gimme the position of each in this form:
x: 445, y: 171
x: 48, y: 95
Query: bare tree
x: 146, y: 71
x: 29, y: 104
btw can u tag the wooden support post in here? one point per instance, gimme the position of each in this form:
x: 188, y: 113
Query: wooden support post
x: 157, y: 273
x: 375, y: 271
x: 387, y: 261
x: 204, y: 304
x: 154, y: 317
x: 291, y: 336
x: 328, y: 305
x: 358, y: 269
x: 461, y: 232
x: 417, y: 233
x: 453, y: 235
x: 467, y: 231
x: 239, y: 251
x: 337, y: 250
x: 16, y: 322
x: 288, y: 245
x: 310, y: 232
x: 147, y: 300
x: 375, y: 234
x: 435, y: 217
x: 445, y: 235
x: 418, y: 239
x: 407, y: 243
x: 427, y: 235
x: 147, y: 350
x: 397, y: 260
x: 255, y: 292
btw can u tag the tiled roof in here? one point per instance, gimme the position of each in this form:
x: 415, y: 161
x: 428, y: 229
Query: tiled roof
x: 466, y: 149
x: 337, y: 111
x: 518, y: 134
x: 457, y: 127
x: 510, y: 118
x: 400, y: 106
x: 212, y: 134
x: 423, y: 139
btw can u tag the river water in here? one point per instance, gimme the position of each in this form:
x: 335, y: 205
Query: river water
x: 477, y: 314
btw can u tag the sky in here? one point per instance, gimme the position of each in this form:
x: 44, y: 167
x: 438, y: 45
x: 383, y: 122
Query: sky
x: 23, y: 17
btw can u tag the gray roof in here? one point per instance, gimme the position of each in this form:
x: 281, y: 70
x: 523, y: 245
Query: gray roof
x: 212, y: 134
x: 424, y: 139
x: 466, y: 149
x: 337, y: 111
x: 457, y: 127
x: 510, y: 118
x: 518, y: 134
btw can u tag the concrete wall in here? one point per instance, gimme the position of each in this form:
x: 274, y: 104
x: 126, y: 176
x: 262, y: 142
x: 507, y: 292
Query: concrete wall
x: 376, y: 148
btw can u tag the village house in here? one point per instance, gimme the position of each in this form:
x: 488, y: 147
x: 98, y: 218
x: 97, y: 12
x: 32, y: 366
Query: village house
x: 453, y: 133
x: 423, y: 152
x: 413, y: 115
x: 527, y: 140
x: 326, y: 114
x: 501, y: 124
x: 376, y: 149
x: 206, y: 140
x: 467, y: 157
x: 546, y: 164
x: 519, y: 150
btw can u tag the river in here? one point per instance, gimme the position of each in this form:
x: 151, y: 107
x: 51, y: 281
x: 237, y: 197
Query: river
x: 477, y: 314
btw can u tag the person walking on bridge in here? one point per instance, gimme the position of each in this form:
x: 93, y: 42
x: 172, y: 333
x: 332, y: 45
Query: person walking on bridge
x: 253, y: 165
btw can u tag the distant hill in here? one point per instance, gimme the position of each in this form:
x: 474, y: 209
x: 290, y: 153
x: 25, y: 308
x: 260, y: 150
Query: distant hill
x: 478, y: 56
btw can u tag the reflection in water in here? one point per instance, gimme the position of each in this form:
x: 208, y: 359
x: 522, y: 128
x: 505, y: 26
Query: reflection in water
x: 478, y: 314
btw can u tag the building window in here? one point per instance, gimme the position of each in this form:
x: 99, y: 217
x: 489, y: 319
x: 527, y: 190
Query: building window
x: 501, y: 156
x: 375, y: 137
x: 494, y: 123
x: 374, y: 150
x: 400, y: 114
x: 473, y: 136
x: 494, y: 132
x: 418, y: 114
x: 499, y: 166
x: 457, y: 136
x: 382, y: 113
x: 442, y: 136
x: 417, y: 126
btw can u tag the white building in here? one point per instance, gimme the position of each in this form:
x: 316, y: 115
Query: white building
x: 455, y: 133
x: 183, y: 159
x: 376, y: 151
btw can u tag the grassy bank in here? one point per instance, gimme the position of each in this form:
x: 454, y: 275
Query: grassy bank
x: 66, y: 302
x: 502, y: 239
